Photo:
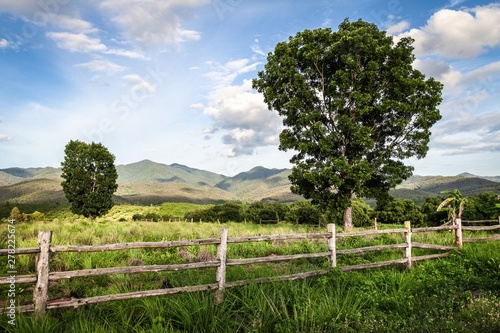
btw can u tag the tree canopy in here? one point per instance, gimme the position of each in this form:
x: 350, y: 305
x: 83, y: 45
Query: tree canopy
x: 89, y: 177
x: 354, y: 109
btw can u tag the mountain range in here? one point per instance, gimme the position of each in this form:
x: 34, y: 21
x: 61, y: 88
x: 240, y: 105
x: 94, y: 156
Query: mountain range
x: 148, y: 182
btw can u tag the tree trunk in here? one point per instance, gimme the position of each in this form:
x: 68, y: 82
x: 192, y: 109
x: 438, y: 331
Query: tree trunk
x: 348, y: 226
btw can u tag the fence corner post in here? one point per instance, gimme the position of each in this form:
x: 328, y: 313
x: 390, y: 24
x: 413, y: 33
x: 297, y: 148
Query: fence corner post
x: 220, y: 275
x: 40, y: 293
x: 458, y: 233
x: 409, y: 263
x: 332, y: 244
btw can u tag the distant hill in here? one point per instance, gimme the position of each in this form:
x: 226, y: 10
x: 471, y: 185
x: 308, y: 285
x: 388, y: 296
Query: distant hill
x: 434, y: 185
x: 147, y: 171
x: 148, y: 182
x: 260, y: 183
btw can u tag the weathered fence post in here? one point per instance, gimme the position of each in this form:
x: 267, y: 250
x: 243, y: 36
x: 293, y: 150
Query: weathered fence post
x: 376, y: 224
x: 42, y: 268
x: 220, y: 275
x: 408, y: 244
x: 332, y: 244
x: 458, y: 233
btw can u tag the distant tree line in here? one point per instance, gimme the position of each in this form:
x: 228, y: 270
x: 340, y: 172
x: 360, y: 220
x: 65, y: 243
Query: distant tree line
x: 484, y: 206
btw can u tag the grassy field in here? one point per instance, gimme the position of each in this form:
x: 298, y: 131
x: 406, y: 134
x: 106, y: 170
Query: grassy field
x: 459, y: 293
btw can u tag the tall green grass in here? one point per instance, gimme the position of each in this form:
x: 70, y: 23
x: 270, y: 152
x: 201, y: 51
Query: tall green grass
x: 459, y: 293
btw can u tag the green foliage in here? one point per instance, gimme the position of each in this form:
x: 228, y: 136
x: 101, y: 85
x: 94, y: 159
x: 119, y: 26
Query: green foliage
x: 303, y: 212
x: 483, y: 206
x: 15, y: 214
x: 36, y: 216
x: 432, y: 216
x: 89, y: 177
x: 398, y: 211
x: 454, y: 204
x: 361, y: 214
x: 353, y: 108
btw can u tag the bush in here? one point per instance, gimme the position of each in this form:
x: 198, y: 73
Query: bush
x: 137, y: 217
x: 303, y: 212
x: 361, y: 213
x: 268, y: 214
x: 229, y: 212
x: 431, y: 215
x: 37, y: 216
x: 398, y: 211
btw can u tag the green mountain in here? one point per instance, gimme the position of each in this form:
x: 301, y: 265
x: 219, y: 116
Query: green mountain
x: 467, y: 184
x: 147, y: 182
x: 147, y: 171
x: 260, y: 183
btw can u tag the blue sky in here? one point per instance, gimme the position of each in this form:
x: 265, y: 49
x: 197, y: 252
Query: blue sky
x: 170, y: 80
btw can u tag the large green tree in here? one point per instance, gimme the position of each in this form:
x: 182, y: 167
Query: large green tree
x: 354, y: 109
x: 89, y: 177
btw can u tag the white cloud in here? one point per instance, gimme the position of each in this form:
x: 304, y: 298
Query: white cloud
x: 241, y: 114
x: 20, y: 7
x: 4, y: 43
x: 440, y: 70
x: 78, y: 42
x: 152, y: 22
x: 66, y: 22
x: 4, y: 137
x: 398, y: 27
x: 224, y: 75
x: 126, y: 53
x: 197, y: 106
x: 101, y: 65
x: 458, y: 34
x: 140, y: 87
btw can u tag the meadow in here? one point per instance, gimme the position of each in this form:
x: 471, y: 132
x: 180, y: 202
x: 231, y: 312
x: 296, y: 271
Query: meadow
x: 458, y: 293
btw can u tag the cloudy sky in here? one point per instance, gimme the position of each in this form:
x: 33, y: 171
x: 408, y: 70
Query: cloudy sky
x: 170, y: 80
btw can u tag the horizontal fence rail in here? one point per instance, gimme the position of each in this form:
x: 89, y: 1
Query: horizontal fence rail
x: 43, y: 277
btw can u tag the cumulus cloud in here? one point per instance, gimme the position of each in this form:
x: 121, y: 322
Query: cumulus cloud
x: 224, y: 75
x: 140, y: 86
x: 197, y: 106
x: 76, y: 42
x: 398, y: 27
x: 458, y: 34
x: 21, y: 7
x: 152, y: 22
x: 4, y: 43
x: 101, y: 65
x: 440, y: 70
x: 80, y: 42
x: 4, y: 137
x: 44, y: 13
x: 464, y: 131
x: 243, y: 117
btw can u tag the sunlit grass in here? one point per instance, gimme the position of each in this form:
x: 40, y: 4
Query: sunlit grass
x: 459, y: 293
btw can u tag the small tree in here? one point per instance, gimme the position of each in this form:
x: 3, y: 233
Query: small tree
x: 354, y: 109
x: 89, y: 177
x: 15, y: 214
x: 454, y: 204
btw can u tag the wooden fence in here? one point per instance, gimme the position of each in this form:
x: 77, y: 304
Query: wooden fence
x: 44, y: 276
